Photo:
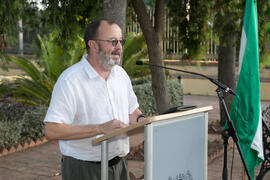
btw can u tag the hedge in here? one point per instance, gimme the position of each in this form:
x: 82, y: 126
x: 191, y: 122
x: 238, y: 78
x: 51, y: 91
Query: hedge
x: 20, y: 123
x: 10, y: 133
x: 146, y: 99
x: 14, y: 132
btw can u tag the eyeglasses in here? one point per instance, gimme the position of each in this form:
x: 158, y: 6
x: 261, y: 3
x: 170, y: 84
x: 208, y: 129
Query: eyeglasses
x: 114, y: 42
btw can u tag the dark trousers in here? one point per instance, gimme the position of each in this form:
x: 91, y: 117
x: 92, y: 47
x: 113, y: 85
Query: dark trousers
x: 74, y: 169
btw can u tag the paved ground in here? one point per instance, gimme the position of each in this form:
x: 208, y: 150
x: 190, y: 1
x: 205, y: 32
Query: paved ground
x: 43, y: 162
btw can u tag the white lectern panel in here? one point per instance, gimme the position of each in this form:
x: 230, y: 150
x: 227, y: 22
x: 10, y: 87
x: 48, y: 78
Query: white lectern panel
x: 177, y: 148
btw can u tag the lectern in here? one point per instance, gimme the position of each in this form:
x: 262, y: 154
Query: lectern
x: 175, y: 145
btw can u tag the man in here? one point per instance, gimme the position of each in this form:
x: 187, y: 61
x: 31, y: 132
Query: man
x: 91, y: 98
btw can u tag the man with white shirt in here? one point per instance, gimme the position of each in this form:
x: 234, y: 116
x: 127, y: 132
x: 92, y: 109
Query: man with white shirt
x: 91, y: 98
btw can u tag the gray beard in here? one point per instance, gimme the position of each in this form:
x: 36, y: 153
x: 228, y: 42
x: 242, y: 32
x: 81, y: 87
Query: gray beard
x: 106, y: 62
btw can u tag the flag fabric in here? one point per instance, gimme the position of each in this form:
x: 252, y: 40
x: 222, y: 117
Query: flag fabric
x: 247, y: 120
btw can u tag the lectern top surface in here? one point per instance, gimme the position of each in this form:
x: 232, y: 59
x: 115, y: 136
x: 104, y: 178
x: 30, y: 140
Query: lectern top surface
x: 150, y: 120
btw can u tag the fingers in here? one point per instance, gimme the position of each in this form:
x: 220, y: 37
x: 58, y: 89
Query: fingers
x: 112, y: 125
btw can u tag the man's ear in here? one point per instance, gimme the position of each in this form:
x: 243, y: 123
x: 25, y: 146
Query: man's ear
x: 92, y: 44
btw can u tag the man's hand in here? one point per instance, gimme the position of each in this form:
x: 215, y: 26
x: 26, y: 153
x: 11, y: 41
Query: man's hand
x: 111, y: 126
x: 133, y: 117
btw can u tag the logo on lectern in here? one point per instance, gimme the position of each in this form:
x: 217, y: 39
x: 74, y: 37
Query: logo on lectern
x: 182, y: 176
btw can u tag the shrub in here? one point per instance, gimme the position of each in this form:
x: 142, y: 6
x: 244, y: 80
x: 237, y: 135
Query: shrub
x: 29, y: 126
x: 142, y: 80
x: 176, y: 92
x: 146, y: 99
x: 12, y: 111
x: 32, y: 123
x: 10, y: 133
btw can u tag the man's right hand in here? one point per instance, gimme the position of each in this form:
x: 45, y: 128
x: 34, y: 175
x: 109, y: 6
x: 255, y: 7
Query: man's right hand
x: 60, y: 131
x: 111, y: 126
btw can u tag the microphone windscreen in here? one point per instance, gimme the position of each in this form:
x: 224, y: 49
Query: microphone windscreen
x: 139, y: 63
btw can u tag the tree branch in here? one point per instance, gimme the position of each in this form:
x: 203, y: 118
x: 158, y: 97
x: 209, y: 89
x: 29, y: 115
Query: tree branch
x: 143, y: 17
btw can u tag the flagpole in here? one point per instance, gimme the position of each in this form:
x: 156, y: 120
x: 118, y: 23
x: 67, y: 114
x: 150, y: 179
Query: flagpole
x: 230, y: 131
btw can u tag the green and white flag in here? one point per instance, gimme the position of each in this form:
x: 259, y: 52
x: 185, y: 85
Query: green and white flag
x: 247, y: 121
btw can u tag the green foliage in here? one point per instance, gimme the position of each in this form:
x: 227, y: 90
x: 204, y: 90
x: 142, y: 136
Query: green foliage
x: 141, y: 80
x: 264, y: 32
x: 56, y: 58
x: 227, y: 16
x: 37, y: 85
x: 30, y: 16
x: 228, y: 20
x: 175, y: 92
x: 191, y: 18
x: 10, y: 133
x: 3, y: 61
x: 12, y: 111
x: 3, y: 88
x: 8, y: 18
x: 70, y: 16
x: 10, y: 13
x: 29, y: 126
x: 146, y: 99
x: 135, y: 49
x: 265, y: 60
x: 32, y: 123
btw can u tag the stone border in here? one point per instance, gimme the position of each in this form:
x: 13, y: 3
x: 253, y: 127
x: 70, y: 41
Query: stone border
x: 215, y: 155
x: 26, y: 145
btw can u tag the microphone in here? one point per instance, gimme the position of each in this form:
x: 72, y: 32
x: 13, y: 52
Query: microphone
x: 219, y: 84
x: 141, y: 63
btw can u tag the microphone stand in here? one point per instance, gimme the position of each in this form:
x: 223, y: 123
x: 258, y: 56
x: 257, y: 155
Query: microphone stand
x: 227, y: 132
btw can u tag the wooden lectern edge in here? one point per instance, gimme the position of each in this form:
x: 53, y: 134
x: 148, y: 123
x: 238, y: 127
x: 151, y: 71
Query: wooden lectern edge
x: 150, y: 120
x: 181, y: 113
x: 121, y: 131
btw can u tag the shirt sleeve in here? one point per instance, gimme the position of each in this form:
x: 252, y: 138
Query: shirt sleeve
x: 132, y: 98
x: 133, y: 102
x: 62, y: 106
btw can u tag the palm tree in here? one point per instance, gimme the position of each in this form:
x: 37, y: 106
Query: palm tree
x: 135, y: 49
x: 37, y: 84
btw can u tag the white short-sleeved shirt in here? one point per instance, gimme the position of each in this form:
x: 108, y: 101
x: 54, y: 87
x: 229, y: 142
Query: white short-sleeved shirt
x: 80, y: 96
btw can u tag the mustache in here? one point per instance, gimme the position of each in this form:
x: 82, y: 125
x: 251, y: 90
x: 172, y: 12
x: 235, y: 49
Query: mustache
x: 116, y: 52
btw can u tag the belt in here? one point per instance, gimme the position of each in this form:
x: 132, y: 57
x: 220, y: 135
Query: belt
x: 111, y: 162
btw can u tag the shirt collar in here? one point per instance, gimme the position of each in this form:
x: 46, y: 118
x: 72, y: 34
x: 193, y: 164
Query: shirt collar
x: 91, y: 72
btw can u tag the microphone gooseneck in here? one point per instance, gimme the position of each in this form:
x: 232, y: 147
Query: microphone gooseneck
x: 219, y: 84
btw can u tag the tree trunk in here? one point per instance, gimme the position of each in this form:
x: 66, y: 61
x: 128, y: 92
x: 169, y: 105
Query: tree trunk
x: 115, y: 10
x: 2, y: 44
x: 153, y: 37
x: 226, y: 69
x: 2, y: 38
x: 159, y: 86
